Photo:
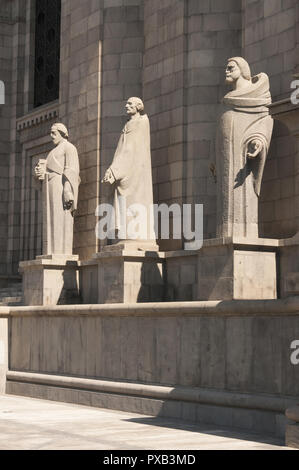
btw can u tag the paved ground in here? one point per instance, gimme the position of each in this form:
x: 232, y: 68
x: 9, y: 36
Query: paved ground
x: 30, y: 424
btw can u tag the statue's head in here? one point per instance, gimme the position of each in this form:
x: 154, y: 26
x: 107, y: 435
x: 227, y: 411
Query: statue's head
x: 58, y: 133
x: 237, y: 68
x: 134, y: 105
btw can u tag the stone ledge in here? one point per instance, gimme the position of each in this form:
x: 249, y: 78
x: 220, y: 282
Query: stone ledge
x: 51, y: 261
x: 127, y: 254
x: 38, y: 116
x: 177, y: 393
x: 288, y: 306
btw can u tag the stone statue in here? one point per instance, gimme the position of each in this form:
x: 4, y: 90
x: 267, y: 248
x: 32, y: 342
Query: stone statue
x: 60, y: 176
x: 131, y: 172
x: 242, y: 144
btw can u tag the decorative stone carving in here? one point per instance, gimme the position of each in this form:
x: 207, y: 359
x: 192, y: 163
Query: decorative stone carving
x: 242, y: 144
x: 60, y: 177
x: 131, y: 174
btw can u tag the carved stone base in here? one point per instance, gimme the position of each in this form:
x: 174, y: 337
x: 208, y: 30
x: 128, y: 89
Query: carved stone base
x: 128, y: 276
x: 50, y: 280
x: 231, y: 269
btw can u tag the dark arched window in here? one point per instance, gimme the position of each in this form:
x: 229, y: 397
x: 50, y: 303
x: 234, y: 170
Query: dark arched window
x: 47, y: 51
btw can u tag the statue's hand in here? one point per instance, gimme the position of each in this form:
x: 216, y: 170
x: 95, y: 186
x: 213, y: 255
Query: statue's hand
x: 39, y: 172
x: 108, y: 178
x: 68, y: 204
x: 254, y: 148
x: 68, y: 197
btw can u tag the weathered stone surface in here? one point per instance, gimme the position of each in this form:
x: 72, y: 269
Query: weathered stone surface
x: 131, y: 175
x: 243, y: 140
x: 292, y: 436
x: 3, y: 353
x: 128, y: 276
x: 50, y: 280
x: 293, y: 414
x: 218, y: 355
x: 60, y: 181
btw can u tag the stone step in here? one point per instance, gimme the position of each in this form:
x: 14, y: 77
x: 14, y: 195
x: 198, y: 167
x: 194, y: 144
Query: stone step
x: 9, y: 291
x: 11, y: 295
x: 11, y: 299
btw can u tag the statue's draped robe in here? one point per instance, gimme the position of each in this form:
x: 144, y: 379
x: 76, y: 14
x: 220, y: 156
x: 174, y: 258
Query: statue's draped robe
x: 62, y: 168
x: 246, y: 117
x: 132, y: 170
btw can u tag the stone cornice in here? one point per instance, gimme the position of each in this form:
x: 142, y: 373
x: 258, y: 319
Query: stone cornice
x: 38, y: 116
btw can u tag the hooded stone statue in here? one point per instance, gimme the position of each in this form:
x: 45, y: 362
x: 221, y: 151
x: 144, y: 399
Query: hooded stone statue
x: 60, y: 176
x: 242, y: 144
x: 131, y: 171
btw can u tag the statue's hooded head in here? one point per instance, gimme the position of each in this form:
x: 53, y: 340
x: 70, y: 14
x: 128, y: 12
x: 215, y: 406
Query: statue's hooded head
x: 134, y: 105
x: 59, y: 132
x: 237, y: 67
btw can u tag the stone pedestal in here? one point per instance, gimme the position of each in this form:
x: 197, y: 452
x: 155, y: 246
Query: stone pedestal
x: 50, y: 280
x: 128, y: 275
x: 237, y: 268
x: 292, y: 428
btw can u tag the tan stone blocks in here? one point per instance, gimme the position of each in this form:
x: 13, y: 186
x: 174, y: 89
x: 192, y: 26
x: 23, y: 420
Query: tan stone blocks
x: 230, y: 271
x: 50, y: 280
x: 129, y: 277
x: 216, y: 22
x: 181, y: 276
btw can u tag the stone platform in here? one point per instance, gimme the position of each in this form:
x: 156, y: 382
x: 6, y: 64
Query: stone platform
x: 50, y: 280
x: 226, y: 363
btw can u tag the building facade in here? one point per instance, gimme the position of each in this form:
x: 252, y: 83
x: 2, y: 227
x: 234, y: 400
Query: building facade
x: 171, y: 53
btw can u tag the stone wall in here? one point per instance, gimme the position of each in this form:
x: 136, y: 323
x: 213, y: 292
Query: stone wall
x: 6, y: 27
x: 80, y: 85
x: 121, y: 75
x: 270, y: 41
x: 233, y: 355
x: 186, y: 47
x: 3, y: 353
x: 172, y: 54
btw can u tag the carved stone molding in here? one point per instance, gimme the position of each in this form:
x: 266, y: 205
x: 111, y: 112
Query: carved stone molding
x: 38, y: 116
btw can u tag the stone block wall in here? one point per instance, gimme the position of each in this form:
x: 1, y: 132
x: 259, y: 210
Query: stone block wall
x: 80, y: 85
x: 172, y: 53
x: 186, y: 47
x: 214, y: 35
x: 5, y: 77
x: 121, y: 75
x: 19, y: 12
x: 270, y: 46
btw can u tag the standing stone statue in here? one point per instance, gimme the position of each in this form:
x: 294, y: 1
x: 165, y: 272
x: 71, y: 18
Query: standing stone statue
x: 243, y: 140
x: 60, y: 176
x: 131, y: 172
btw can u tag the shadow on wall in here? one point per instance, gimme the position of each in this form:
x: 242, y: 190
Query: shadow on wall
x: 277, y: 201
x: 152, y: 283
x: 70, y: 294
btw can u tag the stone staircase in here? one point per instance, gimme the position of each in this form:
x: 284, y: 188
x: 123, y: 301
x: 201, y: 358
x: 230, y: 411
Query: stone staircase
x: 11, y: 295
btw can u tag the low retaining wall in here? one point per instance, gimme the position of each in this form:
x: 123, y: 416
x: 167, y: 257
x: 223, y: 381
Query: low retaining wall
x: 225, y: 363
x: 3, y: 348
